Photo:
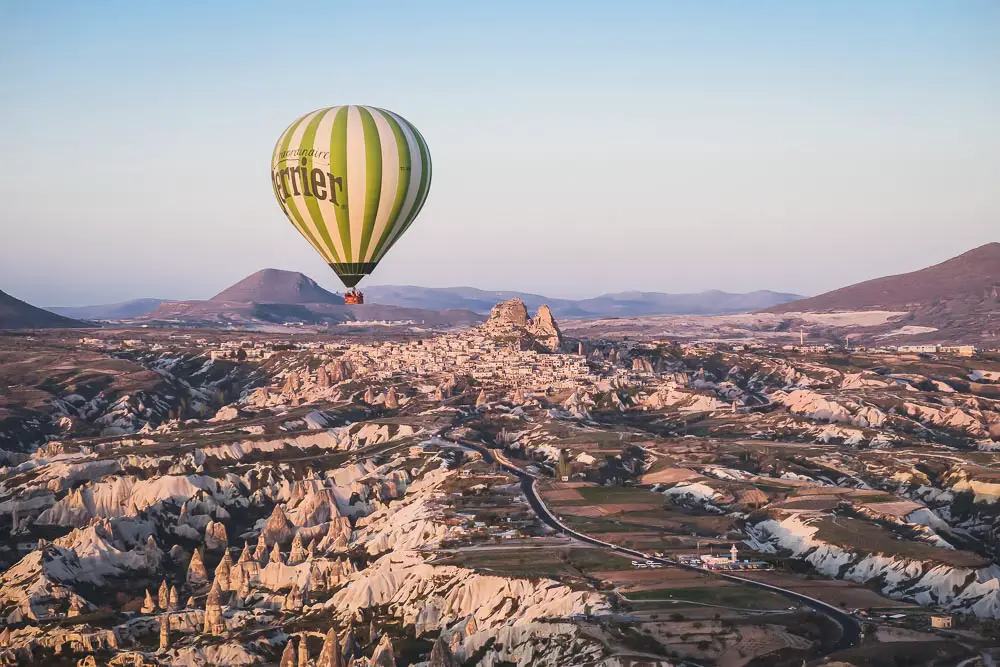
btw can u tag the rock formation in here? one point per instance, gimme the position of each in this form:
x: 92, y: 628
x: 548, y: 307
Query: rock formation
x: 148, y: 605
x: 384, y: 655
x: 330, y: 655
x: 276, y: 555
x: 509, y: 320
x: 352, y: 646
x: 288, y: 656
x: 278, y: 529
x: 260, y: 552
x: 441, y: 655
x: 298, y: 552
x: 215, y: 536
x: 223, y: 570
x: 291, y: 383
x: 391, y: 400
x: 545, y: 330
x: 214, y: 623
x: 152, y: 554
x: 164, y: 632
x: 196, y: 572
x: 303, y: 650
x: 75, y: 606
x: 163, y: 595
x: 172, y: 601
x: 294, y: 600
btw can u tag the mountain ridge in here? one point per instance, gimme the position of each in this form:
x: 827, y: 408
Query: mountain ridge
x: 277, y: 286
x: 973, y: 276
x: 17, y: 314
x: 617, y: 304
x: 122, y: 310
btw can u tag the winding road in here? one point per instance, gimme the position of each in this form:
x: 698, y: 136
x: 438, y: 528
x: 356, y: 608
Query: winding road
x: 850, y: 635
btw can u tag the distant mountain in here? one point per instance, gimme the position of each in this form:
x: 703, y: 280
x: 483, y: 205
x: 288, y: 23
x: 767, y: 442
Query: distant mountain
x: 966, y: 282
x: 278, y: 297
x: 275, y: 286
x: 712, y: 302
x: 111, y: 311
x: 16, y: 314
x: 468, y: 298
x: 622, y: 304
x: 245, y: 314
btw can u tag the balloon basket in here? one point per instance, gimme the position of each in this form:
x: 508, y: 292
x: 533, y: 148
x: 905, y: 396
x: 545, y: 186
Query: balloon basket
x: 354, y: 298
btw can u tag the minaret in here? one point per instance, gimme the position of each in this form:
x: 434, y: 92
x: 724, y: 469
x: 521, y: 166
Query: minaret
x: 733, y: 552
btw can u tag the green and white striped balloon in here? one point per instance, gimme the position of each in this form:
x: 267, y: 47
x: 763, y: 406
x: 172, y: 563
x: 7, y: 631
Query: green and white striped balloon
x: 351, y: 179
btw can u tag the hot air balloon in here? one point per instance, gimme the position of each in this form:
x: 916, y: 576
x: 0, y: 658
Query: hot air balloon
x: 352, y: 180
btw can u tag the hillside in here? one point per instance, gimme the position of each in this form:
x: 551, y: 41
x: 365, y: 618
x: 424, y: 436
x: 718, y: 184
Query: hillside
x: 110, y: 311
x: 971, y: 279
x: 16, y: 314
x: 622, y: 304
x: 276, y: 286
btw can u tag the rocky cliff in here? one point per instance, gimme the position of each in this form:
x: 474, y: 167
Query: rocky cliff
x: 509, y: 320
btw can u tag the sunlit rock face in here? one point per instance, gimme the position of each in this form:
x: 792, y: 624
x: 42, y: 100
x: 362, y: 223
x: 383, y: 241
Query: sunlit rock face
x: 510, y: 321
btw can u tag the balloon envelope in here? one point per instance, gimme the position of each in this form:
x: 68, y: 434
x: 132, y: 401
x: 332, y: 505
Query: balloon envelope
x: 351, y: 179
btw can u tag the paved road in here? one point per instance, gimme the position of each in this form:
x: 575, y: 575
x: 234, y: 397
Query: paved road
x: 850, y: 628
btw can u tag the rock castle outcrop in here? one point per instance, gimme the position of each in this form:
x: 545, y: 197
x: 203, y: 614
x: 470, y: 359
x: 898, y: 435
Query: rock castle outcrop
x: 510, y: 320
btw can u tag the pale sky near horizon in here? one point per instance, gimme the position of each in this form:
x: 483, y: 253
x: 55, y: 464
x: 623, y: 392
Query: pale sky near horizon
x: 579, y: 147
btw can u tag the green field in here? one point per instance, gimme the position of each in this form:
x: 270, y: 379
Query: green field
x: 589, y: 526
x: 600, y: 495
x: 556, y: 561
x: 740, y: 597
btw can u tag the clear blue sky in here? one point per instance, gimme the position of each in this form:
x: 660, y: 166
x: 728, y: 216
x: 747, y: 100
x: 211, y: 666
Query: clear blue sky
x: 578, y: 147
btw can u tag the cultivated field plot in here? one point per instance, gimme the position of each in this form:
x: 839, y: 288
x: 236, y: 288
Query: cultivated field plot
x: 715, y: 593
x: 563, y: 496
x: 668, y: 476
x: 832, y: 591
x: 549, y: 561
x: 644, y: 579
x: 601, y: 495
